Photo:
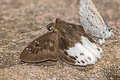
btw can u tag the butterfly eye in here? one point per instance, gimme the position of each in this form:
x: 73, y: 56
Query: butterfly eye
x: 109, y: 30
x: 50, y: 29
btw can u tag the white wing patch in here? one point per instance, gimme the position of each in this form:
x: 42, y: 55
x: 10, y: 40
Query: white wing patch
x: 85, y: 53
x: 92, y: 21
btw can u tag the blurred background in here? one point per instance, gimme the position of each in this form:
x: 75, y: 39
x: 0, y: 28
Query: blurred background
x: 21, y: 21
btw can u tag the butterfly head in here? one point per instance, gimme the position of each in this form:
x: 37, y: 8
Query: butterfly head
x: 109, y: 33
x: 53, y: 27
x: 50, y: 27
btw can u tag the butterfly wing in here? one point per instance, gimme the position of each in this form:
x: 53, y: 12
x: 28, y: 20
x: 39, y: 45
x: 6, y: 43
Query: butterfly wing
x: 75, y: 46
x: 92, y: 21
x: 41, y: 49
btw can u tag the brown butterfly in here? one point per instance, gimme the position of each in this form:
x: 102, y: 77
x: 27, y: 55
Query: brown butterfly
x: 65, y: 41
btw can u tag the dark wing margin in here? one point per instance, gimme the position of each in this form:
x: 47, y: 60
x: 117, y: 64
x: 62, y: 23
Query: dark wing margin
x: 41, y: 49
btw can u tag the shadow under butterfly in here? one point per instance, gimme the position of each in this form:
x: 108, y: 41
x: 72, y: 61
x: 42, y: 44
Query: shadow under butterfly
x: 65, y: 41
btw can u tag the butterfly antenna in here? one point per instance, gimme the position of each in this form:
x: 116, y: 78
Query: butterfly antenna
x: 33, y: 30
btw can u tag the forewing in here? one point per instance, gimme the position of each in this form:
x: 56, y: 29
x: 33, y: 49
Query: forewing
x: 75, y: 46
x: 92, y: 21
x: 41, y: 49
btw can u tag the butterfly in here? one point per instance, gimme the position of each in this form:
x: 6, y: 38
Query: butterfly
x: 65, y: 41
x: 93, y: 22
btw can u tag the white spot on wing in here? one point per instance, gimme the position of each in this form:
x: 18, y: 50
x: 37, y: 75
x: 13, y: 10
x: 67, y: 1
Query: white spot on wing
x: 89, y: 51
x: 92, y: 47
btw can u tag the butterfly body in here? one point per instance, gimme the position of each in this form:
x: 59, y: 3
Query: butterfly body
x: 92, y: 21
x: 66, y: 41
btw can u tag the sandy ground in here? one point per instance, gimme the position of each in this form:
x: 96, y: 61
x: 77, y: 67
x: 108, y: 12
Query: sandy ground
x: 21, y: 22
